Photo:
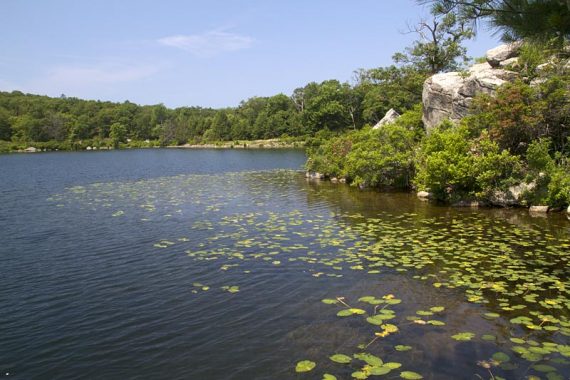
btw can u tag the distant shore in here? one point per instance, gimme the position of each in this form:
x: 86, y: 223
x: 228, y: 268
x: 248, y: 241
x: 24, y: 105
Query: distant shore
x: 246, y: 144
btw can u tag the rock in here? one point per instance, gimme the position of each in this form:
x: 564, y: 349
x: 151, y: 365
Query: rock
x: 342, y: 180
x: 538, y: 209
x: 508, y: 63
x: 466, y: 203
x: 424, y: 195
x: 512, y: 197
x: 503, y: 52
x: 30, y: 149
x: 390, y: 117
x: 314, y: 175
x: 568, y: 210
x: 334, y: 180
x: 449, y: 95
x: 88, y: 148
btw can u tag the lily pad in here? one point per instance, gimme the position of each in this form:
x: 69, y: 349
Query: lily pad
x: 305, y: 366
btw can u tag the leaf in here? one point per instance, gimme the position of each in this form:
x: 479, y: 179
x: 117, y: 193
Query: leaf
x: 379, y: 371
x: 402, y: 348
x: 329, y: 301
x: 501, y: 357
x: 305, y: 366
x: 543, y: 368
x: 437, y: 309
x: 409, y: 375
x: 328, y: 376
x: 349, y: 312
x: 340, y: 358
x: 375, y: 320
x: 359, y: 375
x: 370, y: 359
x: 463, y: 337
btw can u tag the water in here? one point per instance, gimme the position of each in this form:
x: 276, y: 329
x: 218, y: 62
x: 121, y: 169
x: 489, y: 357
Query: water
x: 118, y: 265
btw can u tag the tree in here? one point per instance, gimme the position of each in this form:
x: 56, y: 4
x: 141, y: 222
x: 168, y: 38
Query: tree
x: 5, y: 130
x: 439, y: 47
x: 117, y: 133
x: 542, y: 20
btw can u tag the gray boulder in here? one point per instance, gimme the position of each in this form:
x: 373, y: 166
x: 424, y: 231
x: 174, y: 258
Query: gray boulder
x: 512, y: 197
x: 449, y: 95
x: 390, y: 117
x: 503, y: 52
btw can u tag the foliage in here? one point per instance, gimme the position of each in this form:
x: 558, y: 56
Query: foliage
x: 394, y: 87
x: 382, y: 157
x: 452, y: 166
x: 117, y: 133
x: 550, y: 175
x: 519, y: 114
x: 544, y: 20
x: 439, y: 47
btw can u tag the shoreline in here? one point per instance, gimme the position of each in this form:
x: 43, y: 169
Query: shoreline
x: 244, y: 144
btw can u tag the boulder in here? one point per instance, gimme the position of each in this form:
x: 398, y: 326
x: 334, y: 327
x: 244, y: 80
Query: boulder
x: 503, y: 52
x: 466, y: 203
x: 390, y: 117
x: 512, y: 197
x: 538, y: 209
x: 449, y: 95
x: 314, y: 175
x: 424, y: 195
x: 30, y: 149
x: 568, y: 210
x: 511, y: 62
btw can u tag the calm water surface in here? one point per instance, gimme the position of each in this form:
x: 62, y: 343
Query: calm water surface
x: 212, y: 264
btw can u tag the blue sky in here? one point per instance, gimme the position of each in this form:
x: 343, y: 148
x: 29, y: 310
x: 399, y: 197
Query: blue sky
x: 209, y: 53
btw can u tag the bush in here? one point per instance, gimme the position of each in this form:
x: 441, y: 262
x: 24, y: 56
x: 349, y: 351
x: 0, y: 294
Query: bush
x: 382, y: 157
x: 453, y: 167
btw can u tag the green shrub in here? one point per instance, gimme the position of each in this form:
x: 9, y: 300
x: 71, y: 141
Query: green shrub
x: 453, y: 167
x: 382, y: 157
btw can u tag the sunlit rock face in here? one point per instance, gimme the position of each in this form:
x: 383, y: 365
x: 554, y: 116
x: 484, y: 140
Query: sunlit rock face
x: 447, y: 96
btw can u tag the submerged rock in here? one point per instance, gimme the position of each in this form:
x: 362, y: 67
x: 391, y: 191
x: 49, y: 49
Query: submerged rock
x: 424, y: 195
x: 466, y: 203
x: 538, y: 209
x: 314, y: 175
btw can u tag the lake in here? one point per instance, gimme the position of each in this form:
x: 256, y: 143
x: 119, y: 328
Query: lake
x: 226, y: 264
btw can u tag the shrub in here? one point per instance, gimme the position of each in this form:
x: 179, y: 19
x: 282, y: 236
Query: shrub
x: 382, y: 157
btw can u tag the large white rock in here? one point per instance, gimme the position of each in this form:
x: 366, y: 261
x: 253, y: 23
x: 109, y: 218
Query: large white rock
x: 503, y: 52
x: 449, y: 95
x: 390, y: 117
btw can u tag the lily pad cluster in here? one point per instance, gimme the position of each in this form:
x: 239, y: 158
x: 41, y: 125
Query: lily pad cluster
x: 517, y: 274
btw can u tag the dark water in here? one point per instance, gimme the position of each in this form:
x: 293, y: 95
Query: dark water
x: 118, y: 264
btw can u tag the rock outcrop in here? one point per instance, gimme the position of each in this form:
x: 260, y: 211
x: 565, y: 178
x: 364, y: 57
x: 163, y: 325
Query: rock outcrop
x: 449, y: 95
x: 390, y: 117
x: 502, y: 53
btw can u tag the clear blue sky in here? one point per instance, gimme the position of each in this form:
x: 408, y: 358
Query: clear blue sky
x: 209, y: 53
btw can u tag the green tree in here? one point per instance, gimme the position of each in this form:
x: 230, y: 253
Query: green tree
x: 117, y: 133
x: 542, y: 20
x: 440, y: 45
x: 5, y: 129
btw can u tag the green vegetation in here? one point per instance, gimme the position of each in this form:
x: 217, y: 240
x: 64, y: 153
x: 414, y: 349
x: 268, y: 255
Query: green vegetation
x: 518, y: 138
